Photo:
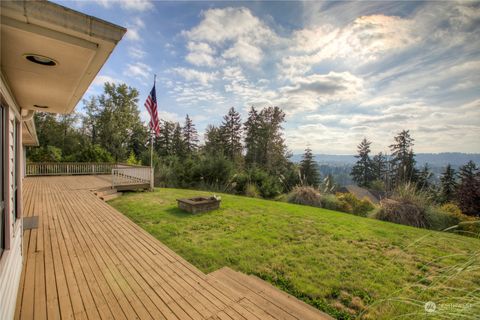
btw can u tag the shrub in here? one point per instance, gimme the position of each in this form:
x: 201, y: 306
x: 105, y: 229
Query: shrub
x: 352, y: 204
x: 402, y: 212
x: 453, y: 209
x: 446, y: 216
x: 408, y: 206
x: 306, y: 196
x: 45, y: 154
x: 214, y: 171
x: 268, y: 186
x: 440, y: 220
x: 132, y: 159
x: 377, y: 185
x: 251, y: 190
x: 93, y: 153
x: 469, y: 228
x: 329, y: 201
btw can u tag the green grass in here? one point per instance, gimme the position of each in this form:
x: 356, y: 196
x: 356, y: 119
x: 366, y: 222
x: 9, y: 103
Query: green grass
x: 345, y: 265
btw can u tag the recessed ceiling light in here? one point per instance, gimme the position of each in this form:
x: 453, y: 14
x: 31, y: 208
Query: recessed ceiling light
x: 41, y: 107
x: 39, y: 59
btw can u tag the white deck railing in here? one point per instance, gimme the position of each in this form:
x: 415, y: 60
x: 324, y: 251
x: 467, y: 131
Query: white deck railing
x: 131, y: 175
x: 122, y: 174
x: 67, y: 168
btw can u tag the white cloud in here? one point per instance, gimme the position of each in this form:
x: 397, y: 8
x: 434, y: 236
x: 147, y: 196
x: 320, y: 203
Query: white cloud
x: 244, y: 52
x: 229, y: 24
x: 364, y: 40
x: 101, y: 79
x: 366, y: 72
x: 235, y: 30
x: 243, y: 91
x: 138, y: 70
x: 133, y: 29
x: 201, y: 54
x: 136, y: 52
x: 130, y: 5
x: 203, y: 78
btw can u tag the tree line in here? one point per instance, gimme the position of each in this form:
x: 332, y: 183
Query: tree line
x: 237, y: 156
x: 385, y: 173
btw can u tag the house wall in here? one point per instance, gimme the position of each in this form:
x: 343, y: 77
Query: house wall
x: 11, y: 258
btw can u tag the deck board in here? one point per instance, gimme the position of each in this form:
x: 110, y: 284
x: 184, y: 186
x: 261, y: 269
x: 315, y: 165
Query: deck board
x: 88, y: 261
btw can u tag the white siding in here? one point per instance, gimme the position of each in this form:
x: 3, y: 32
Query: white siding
x: 10, y: 276
x: 11, y: 260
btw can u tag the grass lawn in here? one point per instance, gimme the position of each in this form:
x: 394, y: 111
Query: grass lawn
x: 344, y: 265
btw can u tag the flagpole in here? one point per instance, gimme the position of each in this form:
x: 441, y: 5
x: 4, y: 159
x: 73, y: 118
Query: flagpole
x: 152, y: 174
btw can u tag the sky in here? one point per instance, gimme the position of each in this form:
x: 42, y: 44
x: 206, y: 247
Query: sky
x: 341, y: 71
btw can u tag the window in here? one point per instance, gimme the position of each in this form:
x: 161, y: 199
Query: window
x: 2, y: 174
x: 16, y: 169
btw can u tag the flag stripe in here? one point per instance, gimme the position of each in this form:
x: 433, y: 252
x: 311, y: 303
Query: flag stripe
x: 151, y: 106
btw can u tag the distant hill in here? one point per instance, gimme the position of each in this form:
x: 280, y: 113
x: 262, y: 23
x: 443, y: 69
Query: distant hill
x: 456, y: 159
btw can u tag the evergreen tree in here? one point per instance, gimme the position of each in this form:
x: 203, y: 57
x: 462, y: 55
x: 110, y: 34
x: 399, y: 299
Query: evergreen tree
x: 380, y: 168
x: 264, y: 142
x: 468, y: 191
x: 423, y: 177
x: 272, y: 147
x: 309, y: 169
x: 362, y: 172
x: 402, y: 159
x: 448, y: 184
x: 190, y: 136
x: 164, y: 143
x: 231, y: 131
x: 214, y: 140
x: 178, y: 145
x: 252, y: 143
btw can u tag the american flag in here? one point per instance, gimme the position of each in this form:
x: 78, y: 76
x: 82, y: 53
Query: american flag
x: 151, y: 105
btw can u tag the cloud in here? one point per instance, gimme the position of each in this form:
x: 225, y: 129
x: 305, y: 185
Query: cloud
x: 308, y: 93
x: 200, y: 54
x: 244, y: 52
x: 244, y: 92
x: 138, y: 70
x: 229, y: 24
x: 343, y: 83
x: 130, y: 5
x: 136, y: 52
x: 364, y: 40
x: 133, y: 29
x: 370, y: 69
x: 101, y: 79
x: 236, y: 31
x: 203, y: 78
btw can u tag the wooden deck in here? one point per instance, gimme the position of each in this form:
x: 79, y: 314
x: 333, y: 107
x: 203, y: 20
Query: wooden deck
x: 88, y: 261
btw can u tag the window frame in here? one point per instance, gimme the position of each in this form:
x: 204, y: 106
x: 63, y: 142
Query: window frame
x: 4, y: 174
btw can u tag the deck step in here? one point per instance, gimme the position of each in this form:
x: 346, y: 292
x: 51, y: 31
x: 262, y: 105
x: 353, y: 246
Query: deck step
x: 101, y: 189
x: 275, y: 302
x: 105, y: 192
x: 110, y: 196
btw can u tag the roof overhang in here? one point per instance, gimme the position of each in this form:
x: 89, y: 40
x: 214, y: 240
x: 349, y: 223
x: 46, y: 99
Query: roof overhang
x: 78, y: 43
x: 29, y: 133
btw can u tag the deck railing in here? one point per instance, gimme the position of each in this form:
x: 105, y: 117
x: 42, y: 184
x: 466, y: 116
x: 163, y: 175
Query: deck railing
x: 131, y: 175
x: 68, y: 168
x: 122, y: 174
